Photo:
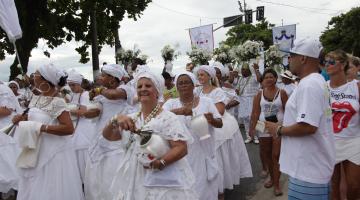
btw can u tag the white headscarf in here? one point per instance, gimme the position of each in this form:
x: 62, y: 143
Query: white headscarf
x: 210, y: 70
x: 113, y: 70
x: 14, y: 82
x: 189, y: 74
x: 51, y: 73
x: 221, y: 67
x: 75, y: 77
x: 158, y: 81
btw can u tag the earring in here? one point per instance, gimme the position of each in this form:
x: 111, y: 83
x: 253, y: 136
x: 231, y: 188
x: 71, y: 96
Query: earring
x: 48, y: 85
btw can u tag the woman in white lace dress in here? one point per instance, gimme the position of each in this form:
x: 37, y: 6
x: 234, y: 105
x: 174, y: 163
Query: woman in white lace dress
x: 9, y: 106
x: 55, y: 174
x: 201, y: 153
x: 146, y: 173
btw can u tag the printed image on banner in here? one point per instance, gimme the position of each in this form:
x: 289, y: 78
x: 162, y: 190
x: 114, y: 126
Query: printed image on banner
x: 202, y: 37
x: 284, y: 36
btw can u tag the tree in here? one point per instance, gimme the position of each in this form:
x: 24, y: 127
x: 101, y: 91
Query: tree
x: 61, y: 21
x: 260, y: 32
x: 343, y: 32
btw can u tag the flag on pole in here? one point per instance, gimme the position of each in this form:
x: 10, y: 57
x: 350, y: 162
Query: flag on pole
x: 202, y: 37
x: 9, y: 20
x: 284, y: 36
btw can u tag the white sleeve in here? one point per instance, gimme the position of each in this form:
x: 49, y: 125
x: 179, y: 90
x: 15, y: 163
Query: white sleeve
x: 130, y: 93
x: 214, y: 110
x: 168, y: 105
x: 218, y: 96
x: 85, y: 99
x: 309, y: 104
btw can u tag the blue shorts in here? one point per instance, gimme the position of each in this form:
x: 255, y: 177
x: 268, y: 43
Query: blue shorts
x: 302, y: 190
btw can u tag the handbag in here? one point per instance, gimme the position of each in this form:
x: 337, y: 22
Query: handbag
x: 272, y: 118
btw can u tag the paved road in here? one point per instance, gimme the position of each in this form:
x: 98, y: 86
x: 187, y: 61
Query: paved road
x: 252, y: 188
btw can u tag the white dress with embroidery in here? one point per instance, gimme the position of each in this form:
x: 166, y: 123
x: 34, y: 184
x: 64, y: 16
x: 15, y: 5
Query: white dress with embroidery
x: 56, y: 175
x: 201, y: 153
x: 8, y: 147
x: 231, y: 153
x: 104, y: 156
x: 134, y: 182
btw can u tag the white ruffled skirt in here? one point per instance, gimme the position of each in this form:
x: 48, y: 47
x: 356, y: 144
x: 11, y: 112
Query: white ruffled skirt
x: 9, y: 152
x: 231, y: 154
x: 58, y: 179
x: 102, y: 162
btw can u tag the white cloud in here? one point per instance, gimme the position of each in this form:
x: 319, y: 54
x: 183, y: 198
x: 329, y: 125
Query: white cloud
x: 160, y: 25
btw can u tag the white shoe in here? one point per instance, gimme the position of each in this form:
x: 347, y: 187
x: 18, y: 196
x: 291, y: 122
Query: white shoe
x: 256, y: 140
x: 248, y: 140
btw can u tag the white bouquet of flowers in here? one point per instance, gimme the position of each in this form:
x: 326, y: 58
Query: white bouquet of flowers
x: 199, y: 56
x: 168, y: 53
x: 223, y: 55
x: 237, y: 53
x: 251, y: 49
x: 273, y: 56
x: 126, y: 56
x: 144, y: 57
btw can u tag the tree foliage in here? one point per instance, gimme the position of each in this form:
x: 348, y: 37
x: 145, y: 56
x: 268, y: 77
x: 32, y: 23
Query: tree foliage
x: 240, y: 33
x: 61, y: 21
x: 343, y: 32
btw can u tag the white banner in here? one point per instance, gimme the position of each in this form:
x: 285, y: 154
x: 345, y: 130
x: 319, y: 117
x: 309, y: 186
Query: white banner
x: 284, y: 36
x: 202, y: 37
x: 9, y: 20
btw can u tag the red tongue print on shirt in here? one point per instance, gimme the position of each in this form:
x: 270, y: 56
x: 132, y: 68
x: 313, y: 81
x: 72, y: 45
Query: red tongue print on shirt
x: 342, y: 114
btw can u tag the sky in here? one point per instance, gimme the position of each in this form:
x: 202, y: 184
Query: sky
x: 166, y: 22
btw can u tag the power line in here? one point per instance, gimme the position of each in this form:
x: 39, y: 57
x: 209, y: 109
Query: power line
x: 186, y: 14
x: 308, y: 9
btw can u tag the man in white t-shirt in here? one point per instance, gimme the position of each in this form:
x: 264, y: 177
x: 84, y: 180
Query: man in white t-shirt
x: 307, y: 146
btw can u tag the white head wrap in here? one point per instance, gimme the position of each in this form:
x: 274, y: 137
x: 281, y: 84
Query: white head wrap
x: 14, y: 82
x: 122, y: 67
x: 189, y: 74
x: 158, y: 81
x: 75, y: 77
x: 113, y: 70
x: 210, y: 70
x: 221, y: 67
x: 51, y: 73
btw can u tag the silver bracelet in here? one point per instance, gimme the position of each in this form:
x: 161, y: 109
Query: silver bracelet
x: 163, y: 163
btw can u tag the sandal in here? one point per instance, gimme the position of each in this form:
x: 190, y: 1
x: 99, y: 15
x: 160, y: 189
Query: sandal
x: 278, y: 192
x: 268, y: 184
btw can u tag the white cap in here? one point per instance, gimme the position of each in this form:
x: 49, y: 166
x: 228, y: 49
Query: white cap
x: 307, y: 47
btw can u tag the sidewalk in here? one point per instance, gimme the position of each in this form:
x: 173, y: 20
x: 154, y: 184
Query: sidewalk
x: 267, y: 193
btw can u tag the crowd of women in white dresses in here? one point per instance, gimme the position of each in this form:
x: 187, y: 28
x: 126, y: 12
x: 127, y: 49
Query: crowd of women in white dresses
x: 120, y: 140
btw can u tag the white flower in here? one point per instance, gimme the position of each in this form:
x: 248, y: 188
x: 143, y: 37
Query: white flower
x: 199, y: 56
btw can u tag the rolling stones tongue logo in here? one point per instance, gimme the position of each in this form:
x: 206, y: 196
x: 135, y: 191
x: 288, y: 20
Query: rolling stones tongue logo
x: 342, y: 114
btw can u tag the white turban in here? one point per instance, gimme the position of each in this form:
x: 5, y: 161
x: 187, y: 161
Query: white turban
x: 75, y: 77
x: 158, y: 81
x: 189, y: 74
x: 210, y: 70
x: 220, y: 67
x: 14, y: 82
x: 51, y: 73
x: 113, y: 70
